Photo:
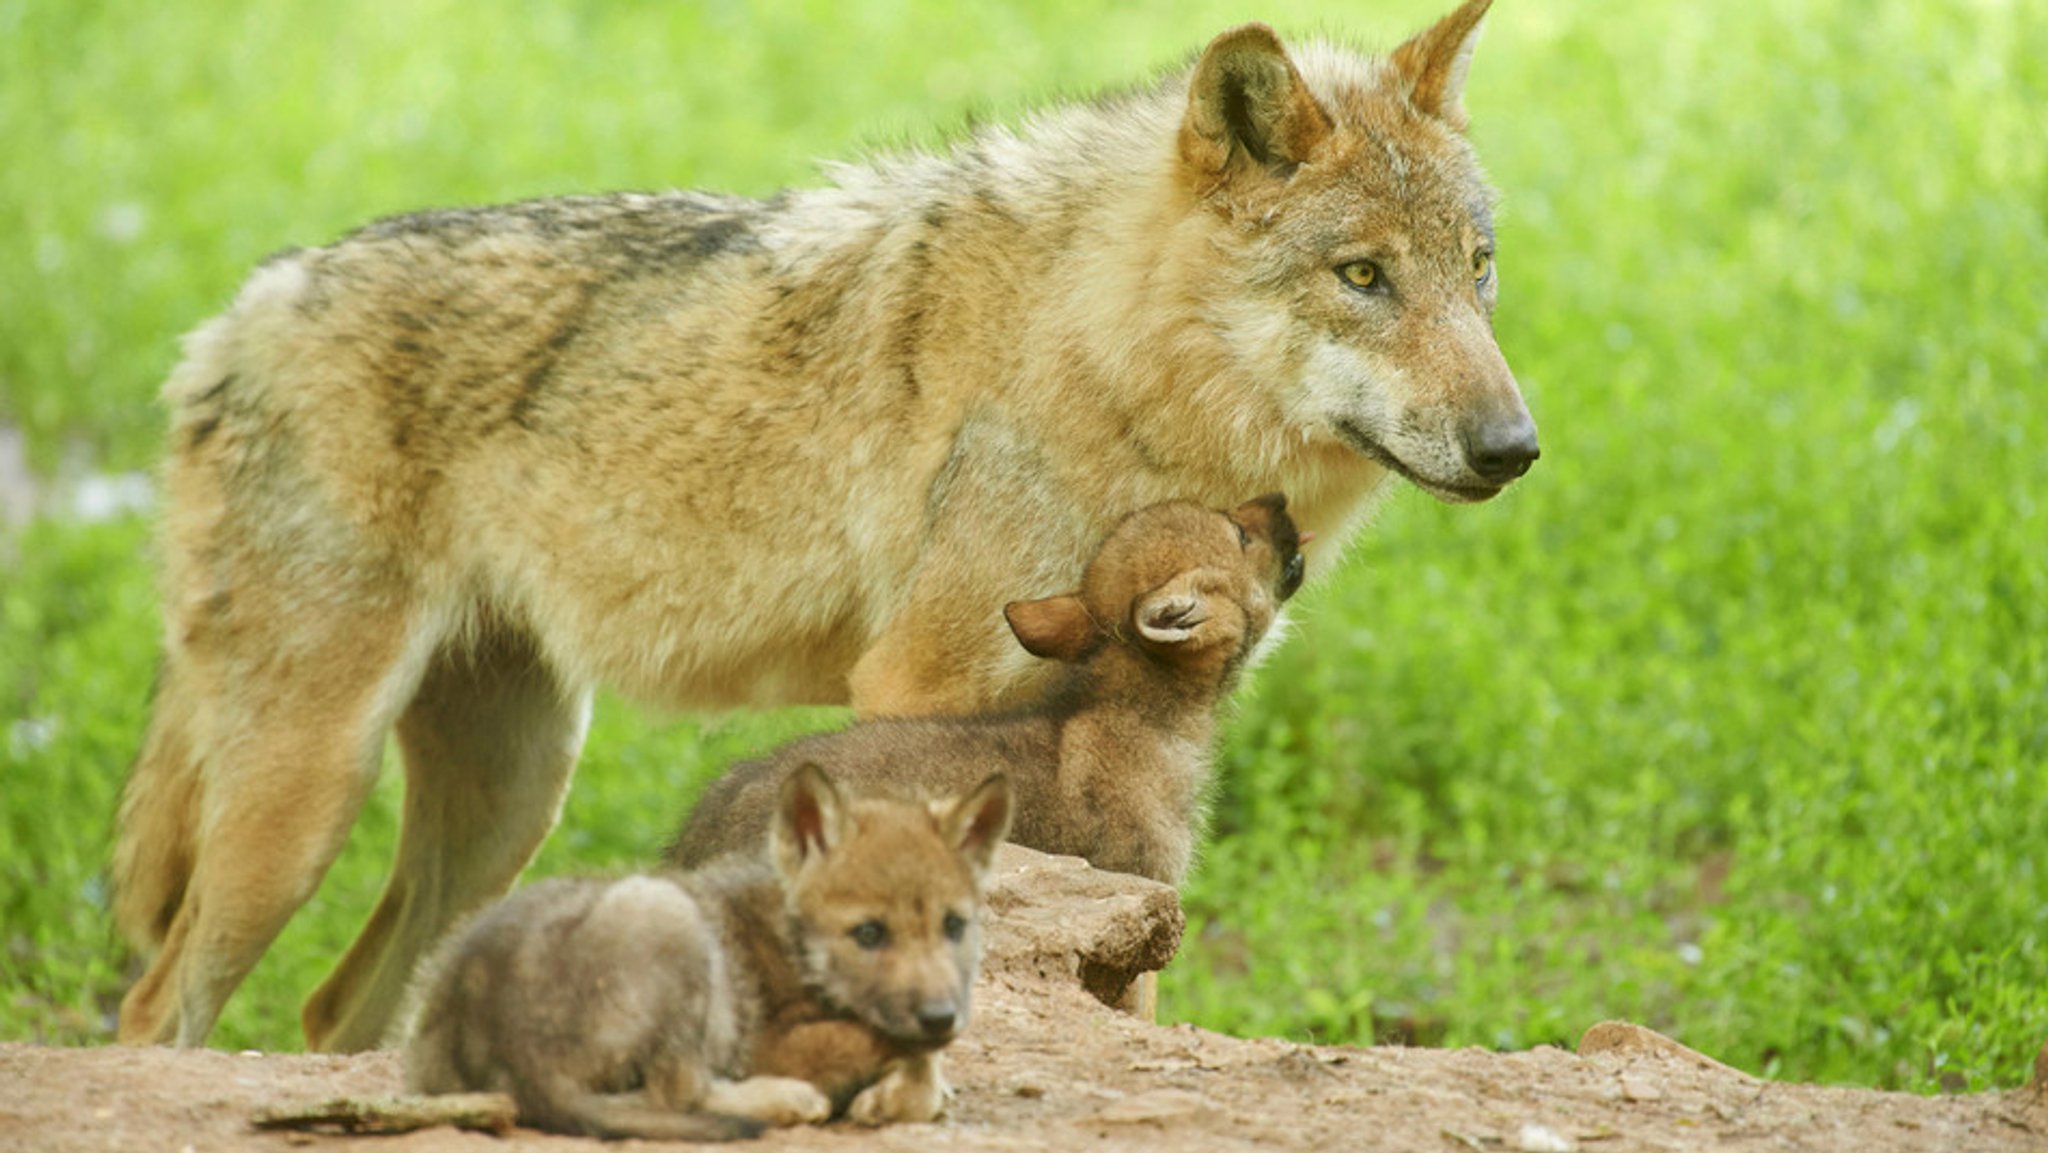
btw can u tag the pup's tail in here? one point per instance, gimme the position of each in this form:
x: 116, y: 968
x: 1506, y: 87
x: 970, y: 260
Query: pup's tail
x: 571, y: 1109
x: 155, y: 831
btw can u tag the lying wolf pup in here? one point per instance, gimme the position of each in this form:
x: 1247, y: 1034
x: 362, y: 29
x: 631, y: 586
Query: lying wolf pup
x: 711, y: 1004
x: 1112, y: 766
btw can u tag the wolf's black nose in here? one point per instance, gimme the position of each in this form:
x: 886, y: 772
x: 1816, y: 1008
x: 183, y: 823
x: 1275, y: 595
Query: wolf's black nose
x: 1501, y: 452
x: 937, y: 1018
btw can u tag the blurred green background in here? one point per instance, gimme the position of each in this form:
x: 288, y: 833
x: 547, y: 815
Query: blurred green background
x: 1731, y: 719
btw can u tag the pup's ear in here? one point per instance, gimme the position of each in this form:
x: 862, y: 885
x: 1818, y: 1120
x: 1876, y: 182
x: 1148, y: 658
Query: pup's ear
x: 1248, y: 110
x: 1056, y: 628
x: 810, y: 821
x: 978, y: 822
x: 1172, y: 613
x: 1434, y: 63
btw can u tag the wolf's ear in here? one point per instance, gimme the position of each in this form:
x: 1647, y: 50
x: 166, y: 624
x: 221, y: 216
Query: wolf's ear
x: 1056, y: 628
x: 809, y: 823
x: 1248, y: 109
x: 1172, y: 613
x: 1433, y: 64
x: 978, y: 822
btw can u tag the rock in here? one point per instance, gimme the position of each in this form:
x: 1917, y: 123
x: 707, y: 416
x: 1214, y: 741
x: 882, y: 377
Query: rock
x: 1053, y: 916
x: 1622, y: 1039
x: 1534, y: 1138
x: 1636, y: 1088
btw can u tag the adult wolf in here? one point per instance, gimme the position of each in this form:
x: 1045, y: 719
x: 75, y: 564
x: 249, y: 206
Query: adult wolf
x: 453, y: 470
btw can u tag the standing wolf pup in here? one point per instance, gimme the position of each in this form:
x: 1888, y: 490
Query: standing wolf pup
x: 705, y: 1005
x: 454, y: 470
x: 1112, y: 765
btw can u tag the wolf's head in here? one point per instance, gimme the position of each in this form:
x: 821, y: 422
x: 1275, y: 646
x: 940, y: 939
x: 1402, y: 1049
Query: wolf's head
x: 1193, y: 589
x: 1357, y: 231
x: 886, y: 900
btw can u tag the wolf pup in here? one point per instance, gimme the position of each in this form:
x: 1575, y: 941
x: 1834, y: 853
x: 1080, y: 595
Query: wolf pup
x: 1113, y: 764
x: 705, y: 1005
x: 453, y: 471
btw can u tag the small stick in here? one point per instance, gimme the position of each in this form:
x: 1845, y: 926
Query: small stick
x: 489, y: 1112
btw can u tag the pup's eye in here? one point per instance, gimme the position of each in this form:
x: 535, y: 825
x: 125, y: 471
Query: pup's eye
x: 954, y: 926
x: 1362, y: 275
x: 1482, y: 266
x: 1244, y: 539
x: 870, y: 934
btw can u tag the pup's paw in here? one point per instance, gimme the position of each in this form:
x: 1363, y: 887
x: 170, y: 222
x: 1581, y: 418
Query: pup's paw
x: 771, y: 1100
x: 912, y: 1091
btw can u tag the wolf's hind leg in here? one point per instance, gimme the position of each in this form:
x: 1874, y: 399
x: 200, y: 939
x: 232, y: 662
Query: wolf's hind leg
x: 490, y: 741
x: 288, y: 706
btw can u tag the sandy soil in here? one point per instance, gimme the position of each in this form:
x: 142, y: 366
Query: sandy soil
x: 1046, y: 1066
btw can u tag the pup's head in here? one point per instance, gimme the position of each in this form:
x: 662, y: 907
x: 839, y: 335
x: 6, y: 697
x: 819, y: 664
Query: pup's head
x: 1192, y: 588
x: 886, y: 899
x: 1352, y: 247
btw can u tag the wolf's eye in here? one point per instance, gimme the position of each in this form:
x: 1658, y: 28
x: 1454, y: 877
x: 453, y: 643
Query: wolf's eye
x: 1362, y: 275
x: 955, y: 926
x: 1482, y: 266
x: 870, y: 934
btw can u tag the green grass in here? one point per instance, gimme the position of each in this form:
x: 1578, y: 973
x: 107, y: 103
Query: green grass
x: 1732, y: 719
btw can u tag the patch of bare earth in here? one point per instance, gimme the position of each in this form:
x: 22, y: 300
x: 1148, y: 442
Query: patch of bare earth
x: 1046, y: 1066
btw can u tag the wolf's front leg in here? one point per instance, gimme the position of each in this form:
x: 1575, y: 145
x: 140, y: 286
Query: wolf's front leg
x: 914, y: 1089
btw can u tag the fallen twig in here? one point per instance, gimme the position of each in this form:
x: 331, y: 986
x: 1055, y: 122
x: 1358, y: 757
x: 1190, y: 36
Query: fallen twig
x: 489, y: 1112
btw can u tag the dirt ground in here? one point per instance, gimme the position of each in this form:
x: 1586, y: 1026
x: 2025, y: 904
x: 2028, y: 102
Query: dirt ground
x: 1046, y: 1066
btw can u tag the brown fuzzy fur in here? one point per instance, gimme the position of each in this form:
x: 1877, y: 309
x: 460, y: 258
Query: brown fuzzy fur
x: 1113, y: 765
x: 820, y: 978
x: 451, y: 472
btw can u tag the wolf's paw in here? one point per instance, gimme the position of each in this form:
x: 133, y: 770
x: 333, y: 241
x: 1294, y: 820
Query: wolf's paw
x: 912, y: 1091
x: 771, y: 1100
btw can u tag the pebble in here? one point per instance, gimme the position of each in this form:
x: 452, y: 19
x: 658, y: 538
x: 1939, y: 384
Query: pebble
x: 1534, y: 1138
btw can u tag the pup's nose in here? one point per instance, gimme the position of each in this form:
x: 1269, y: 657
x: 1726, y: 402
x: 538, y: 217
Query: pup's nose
x: 937, y: 1018
x: 1503, y: 450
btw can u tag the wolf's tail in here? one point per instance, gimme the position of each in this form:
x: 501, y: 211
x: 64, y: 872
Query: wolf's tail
x: 155, y: 833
